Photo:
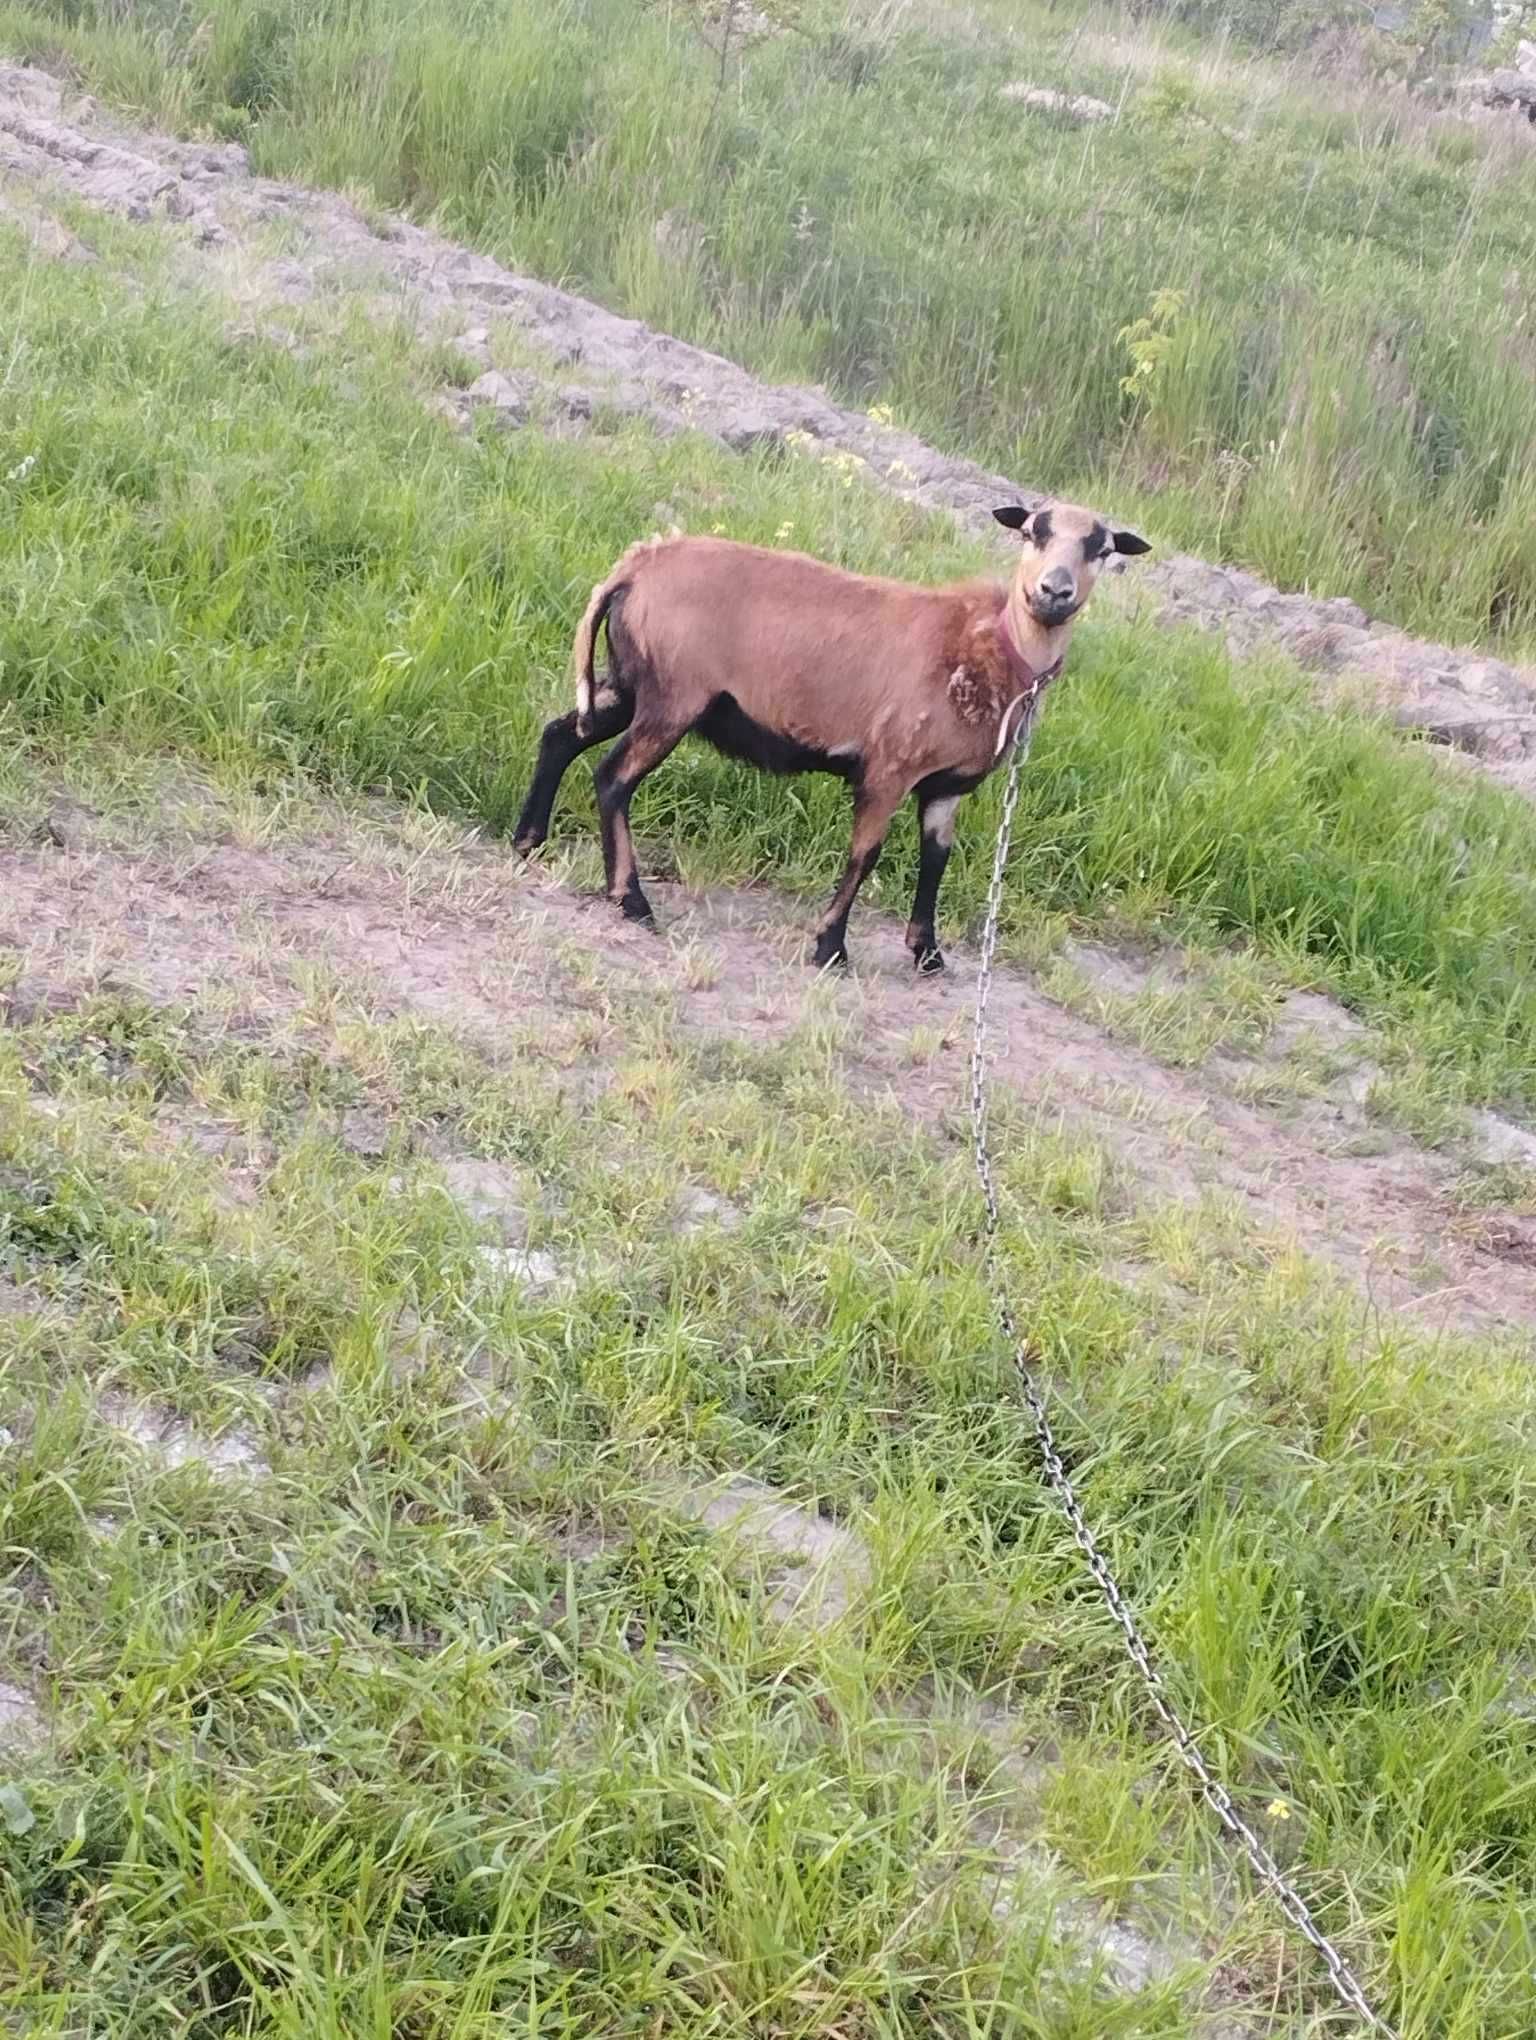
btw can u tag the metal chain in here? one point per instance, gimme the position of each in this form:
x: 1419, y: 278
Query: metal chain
x: 1289, y: 1899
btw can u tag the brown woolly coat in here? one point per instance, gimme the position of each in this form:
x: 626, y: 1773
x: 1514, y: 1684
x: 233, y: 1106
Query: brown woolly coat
x: 913, y: 680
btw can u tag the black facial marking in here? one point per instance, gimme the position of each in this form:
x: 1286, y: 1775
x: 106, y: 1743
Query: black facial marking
x: 1040, y: 528
x: 1096, y: 544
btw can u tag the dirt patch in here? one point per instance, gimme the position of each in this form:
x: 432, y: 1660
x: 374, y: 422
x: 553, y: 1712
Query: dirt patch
x: 171, y: 1441
x: 23, y: 1726
x: 819, y: 1568
x: 495, y: 946
x: 17, y: 1299
x: 700, y: 1210
x: 818, y: 1571
x: 52, y: 146
x: 490, y: 1194
x: 1509, y: 1240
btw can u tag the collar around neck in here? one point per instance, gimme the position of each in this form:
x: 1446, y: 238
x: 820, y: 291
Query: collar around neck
x: 1028, y: 676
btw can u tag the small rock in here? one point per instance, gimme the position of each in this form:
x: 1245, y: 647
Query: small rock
x: 474, y: 343
x: 1501, y: 1143
x: 16, y: 1810
x: 501, y: 394
x: 749, y: 432
x: 365, y: 1133
x: 1489, y: 679
x: 698, y: 1207
x: 1080, y: 107
x: 1513, y: 89
x: 529, y: 1268
x: 57, y: 828
x: 489, y: 1194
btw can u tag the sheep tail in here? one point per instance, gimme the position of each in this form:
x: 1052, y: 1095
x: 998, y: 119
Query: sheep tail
x: 584, y: 651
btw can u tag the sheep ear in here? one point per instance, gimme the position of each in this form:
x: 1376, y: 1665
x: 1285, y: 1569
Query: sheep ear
x: 1014, y: 516
x: 1128, y: 542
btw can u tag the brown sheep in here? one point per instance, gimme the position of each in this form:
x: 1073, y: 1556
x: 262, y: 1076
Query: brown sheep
x: 796, y: 666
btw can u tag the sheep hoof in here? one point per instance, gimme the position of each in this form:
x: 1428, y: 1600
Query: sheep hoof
x: 636, y: 907
x: 928, y: 962
x: 526, y: 845
x: 829, y: 956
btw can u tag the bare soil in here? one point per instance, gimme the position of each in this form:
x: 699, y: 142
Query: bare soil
x: 473, y: 939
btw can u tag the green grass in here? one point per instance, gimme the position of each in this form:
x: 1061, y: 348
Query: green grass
x: 208, y: 542
x: 437, y: 1719
x: 432, y: 1715
x: 1343, y: 397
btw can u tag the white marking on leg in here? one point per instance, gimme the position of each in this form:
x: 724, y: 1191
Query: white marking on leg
x: 939, y: 819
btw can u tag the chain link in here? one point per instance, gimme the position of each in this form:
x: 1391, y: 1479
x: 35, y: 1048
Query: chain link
x: 1289, y: 1899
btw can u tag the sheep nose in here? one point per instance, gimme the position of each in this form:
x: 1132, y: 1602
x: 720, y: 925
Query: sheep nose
x: 1057, y: 585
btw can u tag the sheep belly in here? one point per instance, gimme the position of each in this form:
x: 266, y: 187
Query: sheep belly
x: 726, y: 725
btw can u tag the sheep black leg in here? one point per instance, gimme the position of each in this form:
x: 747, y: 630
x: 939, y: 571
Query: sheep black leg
x: 559, y: 747
x: 636, y: 754
x: 871, y: 818
x: 936, y: 820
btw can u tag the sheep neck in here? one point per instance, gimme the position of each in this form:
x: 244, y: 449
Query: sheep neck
x: 1031, y: 648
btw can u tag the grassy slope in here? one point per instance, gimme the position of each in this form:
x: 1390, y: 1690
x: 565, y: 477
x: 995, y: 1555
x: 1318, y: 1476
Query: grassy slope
x: 296, y: 1710
x: 206, y: 541
x: 1345, y: 398
x: 444, y: 1723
